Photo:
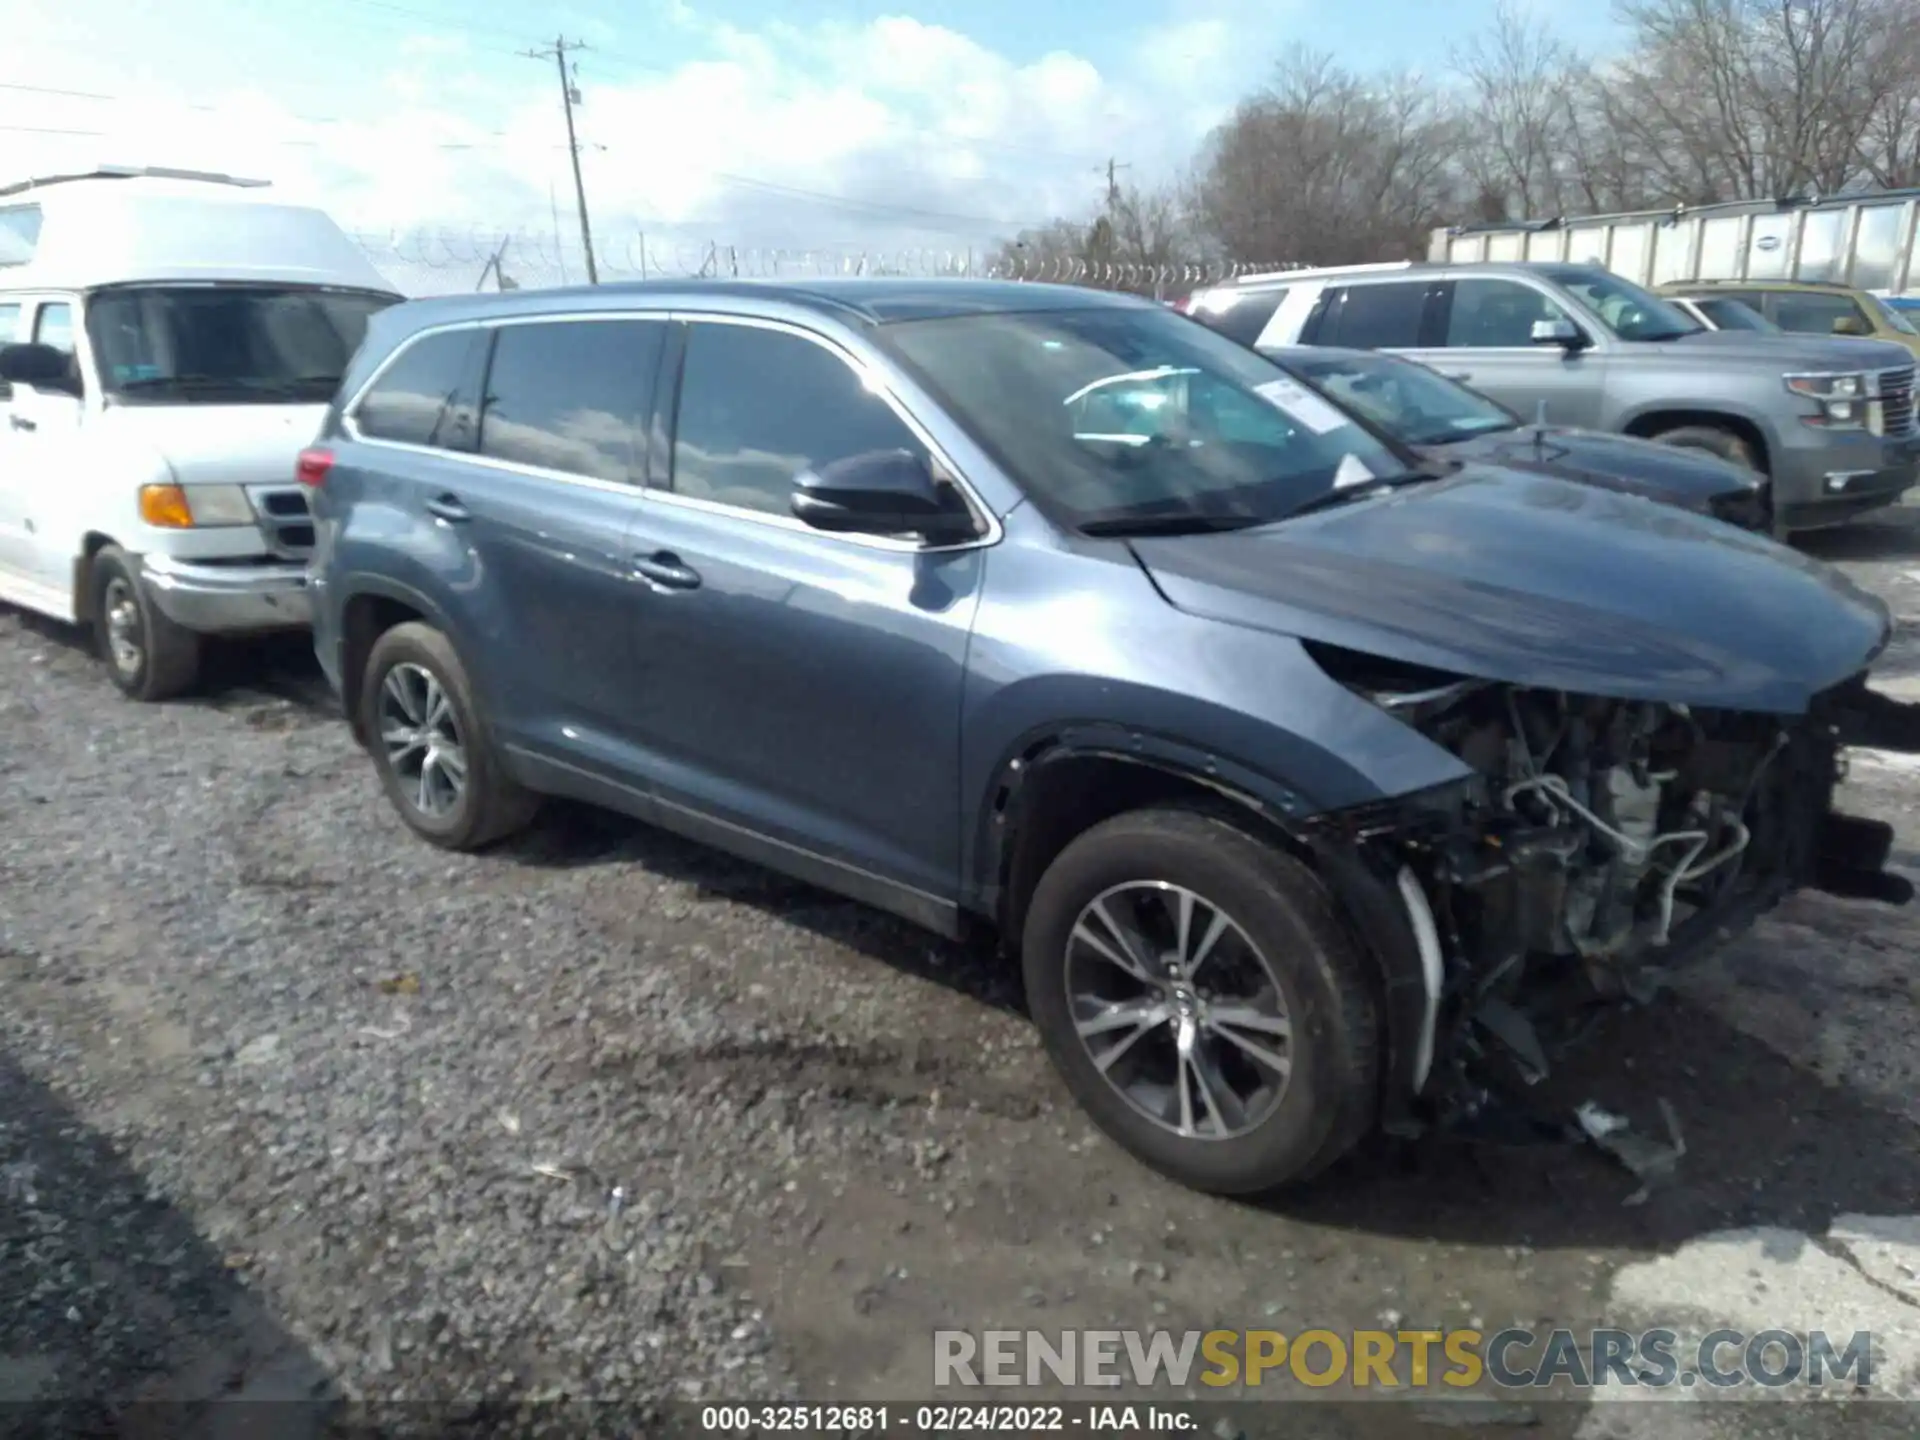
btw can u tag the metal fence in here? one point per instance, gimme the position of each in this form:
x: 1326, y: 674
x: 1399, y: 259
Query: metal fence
x: 441, y: 262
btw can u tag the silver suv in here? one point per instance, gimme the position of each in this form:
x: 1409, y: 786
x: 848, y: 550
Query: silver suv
x: 1830, y: 422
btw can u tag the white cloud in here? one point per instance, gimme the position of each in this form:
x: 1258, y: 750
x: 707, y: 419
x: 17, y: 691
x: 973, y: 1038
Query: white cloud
x: 929, y: 139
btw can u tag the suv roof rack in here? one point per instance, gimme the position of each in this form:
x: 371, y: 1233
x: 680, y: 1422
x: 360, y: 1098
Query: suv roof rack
x: 1373, y: 266
x: 132, y: 172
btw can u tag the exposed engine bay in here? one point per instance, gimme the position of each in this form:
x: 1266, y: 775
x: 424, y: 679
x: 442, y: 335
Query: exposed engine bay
x: 1601, y: 842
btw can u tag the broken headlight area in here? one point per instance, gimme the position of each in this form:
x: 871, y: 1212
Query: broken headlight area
x: 1599, y: 843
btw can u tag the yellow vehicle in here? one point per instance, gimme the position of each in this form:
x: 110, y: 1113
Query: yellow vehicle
x: 1809, y: 307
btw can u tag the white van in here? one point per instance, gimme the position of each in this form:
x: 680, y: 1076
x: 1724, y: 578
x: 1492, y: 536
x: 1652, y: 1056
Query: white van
x: 169, y: 342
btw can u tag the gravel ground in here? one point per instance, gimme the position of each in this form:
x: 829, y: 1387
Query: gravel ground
x: 292, y: 1105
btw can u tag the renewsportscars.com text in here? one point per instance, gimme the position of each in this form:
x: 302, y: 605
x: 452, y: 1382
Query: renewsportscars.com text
x: 1392, y: 1359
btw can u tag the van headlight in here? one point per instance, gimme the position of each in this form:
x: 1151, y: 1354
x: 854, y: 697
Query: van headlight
x: 189, y: 507
x: 1842, y: 398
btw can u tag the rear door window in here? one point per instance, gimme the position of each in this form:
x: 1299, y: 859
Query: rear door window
x: 573, y: 396
x: 424, y: 396
x: 1376, y: 317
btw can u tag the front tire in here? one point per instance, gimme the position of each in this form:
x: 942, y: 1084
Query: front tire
x: 148, y: 657
x: 432, y: 746
x: 1201, y: 1000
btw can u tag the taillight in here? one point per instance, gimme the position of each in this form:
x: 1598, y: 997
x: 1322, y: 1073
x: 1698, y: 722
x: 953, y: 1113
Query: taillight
x: 1184, y: 304
x: 312, y: 467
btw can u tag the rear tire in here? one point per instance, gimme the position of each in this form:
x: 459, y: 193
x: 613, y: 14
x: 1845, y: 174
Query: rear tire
x: 432, y: 746
x: 1282, y: 939
x: 148, y: 657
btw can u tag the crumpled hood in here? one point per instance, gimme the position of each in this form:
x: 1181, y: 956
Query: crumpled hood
x: 1690, y: 478
x: 1540, y: 582
x: 220, y: 444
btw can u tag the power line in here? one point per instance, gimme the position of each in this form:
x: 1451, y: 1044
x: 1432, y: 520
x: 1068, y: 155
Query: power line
x: 569, y: 97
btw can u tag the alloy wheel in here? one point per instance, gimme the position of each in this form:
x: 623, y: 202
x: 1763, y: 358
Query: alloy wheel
x: 421, y: 737
x: 1178, y: 1010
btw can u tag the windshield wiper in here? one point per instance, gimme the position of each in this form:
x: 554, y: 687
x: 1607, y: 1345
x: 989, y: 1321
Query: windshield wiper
x: 1366, y: 489
x: 301, y: 382
x: 183, y: 382
x: 1186, y: 524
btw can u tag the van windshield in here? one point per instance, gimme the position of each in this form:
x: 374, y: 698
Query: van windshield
x: 227, y: 344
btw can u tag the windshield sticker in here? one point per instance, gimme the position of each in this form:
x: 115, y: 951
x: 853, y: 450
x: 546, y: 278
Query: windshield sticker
x: 1353, y: 471
x: 1302, y: 404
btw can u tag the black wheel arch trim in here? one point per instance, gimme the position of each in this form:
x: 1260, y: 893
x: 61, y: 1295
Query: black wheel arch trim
x: 363, y: 585
x: 1367, y: 901
x: 998, y: 813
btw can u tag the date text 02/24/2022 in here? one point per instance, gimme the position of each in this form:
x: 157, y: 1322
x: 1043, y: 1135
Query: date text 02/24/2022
x: 863, y: 1420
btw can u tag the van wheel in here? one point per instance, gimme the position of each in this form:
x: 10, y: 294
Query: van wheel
x: 148, y: 656
x: 1202, y: 1002
x: 432, y: 746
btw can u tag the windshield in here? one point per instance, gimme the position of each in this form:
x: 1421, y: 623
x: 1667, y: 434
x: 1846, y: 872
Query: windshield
x: 1622, y: 306
x: 1892, y: 316
x: 1118, y: 415
x: 227, y: 344
x: 1733, y: 314
x: 1407, y: 400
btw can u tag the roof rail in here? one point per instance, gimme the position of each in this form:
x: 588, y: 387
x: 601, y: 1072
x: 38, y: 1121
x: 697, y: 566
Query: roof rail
x: 1326, y: 270
x: 132, y: 172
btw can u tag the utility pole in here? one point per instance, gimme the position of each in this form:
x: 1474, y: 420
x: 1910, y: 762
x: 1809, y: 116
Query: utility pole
x: 1113, y: 184
x: 569, y: 97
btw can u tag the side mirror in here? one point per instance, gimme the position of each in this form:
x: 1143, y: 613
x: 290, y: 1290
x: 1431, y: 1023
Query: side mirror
x: 883, y: 492
x: 1564, y: 333
x: 1851, y: 325
x: 40, y: 366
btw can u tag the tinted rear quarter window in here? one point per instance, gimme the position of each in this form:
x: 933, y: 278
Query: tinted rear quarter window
x: 1377, y: 317
x: 417, y: 400
x: 1246, y: 317
x: 572, y: 396
x: 758, y: 406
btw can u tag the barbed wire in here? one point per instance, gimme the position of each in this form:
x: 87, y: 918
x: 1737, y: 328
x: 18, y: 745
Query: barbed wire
x: 441, y: 260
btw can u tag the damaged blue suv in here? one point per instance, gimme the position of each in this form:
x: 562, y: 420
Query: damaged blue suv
x: 1314, y: 784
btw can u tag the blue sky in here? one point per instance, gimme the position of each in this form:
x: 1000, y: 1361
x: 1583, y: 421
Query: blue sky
x: 923, y: 124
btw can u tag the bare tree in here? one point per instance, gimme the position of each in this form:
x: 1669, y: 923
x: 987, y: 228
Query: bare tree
x: 1138, y: 239
x: 1890, y: 146
x: 1708, y: 100
x: 1752, y: 99
x: 1520, y: 129
x: 1325, y: 165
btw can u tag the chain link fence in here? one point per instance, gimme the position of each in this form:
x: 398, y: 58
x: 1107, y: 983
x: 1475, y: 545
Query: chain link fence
x: 441, y: 262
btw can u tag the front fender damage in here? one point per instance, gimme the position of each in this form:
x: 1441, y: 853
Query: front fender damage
x: 1601, y: 845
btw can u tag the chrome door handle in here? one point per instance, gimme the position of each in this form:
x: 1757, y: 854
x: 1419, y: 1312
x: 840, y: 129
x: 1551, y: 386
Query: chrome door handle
x: 449, y: 508
x: 20, y: 422
x: 663, y: 569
